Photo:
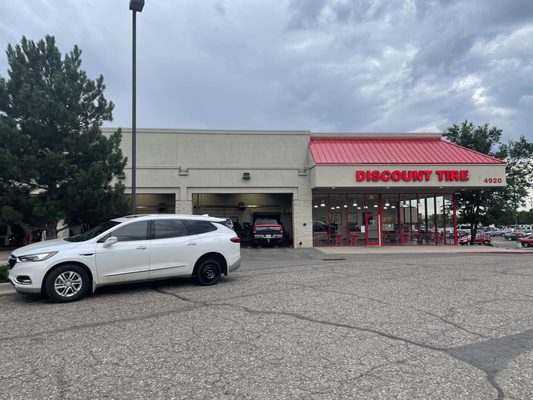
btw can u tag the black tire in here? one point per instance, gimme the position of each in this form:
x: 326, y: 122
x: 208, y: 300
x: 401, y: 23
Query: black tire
x: 486, y: 242
x: 525, y: 244
x: 208, y: 272
x: 67, y: 282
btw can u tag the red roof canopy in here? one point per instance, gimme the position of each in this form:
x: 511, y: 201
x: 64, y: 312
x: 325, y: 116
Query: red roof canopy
x: 394, y: 151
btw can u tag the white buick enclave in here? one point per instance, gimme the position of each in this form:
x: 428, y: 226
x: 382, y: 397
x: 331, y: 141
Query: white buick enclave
x: 127, y: 249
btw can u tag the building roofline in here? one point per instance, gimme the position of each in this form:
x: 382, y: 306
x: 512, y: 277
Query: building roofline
x: 209, y: 131
x: 312, y: 134
x: 377, y: 135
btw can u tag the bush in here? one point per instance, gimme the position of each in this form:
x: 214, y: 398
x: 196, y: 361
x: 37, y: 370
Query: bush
x: 3, y: 273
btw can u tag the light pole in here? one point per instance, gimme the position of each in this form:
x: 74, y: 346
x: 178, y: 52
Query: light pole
x: 135, y: 6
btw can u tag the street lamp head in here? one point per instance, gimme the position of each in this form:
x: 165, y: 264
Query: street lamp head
x: 136, y: 5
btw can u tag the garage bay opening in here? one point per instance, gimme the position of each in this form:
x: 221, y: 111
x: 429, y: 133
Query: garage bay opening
x: 260, y: 219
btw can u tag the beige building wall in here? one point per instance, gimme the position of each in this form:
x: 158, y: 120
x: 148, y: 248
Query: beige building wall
x: 185, y: 162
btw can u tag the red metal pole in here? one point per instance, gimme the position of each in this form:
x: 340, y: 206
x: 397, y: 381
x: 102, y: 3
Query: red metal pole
x: 417, y: 220
x: 399, y: 221
x: 426, y: 228
x: 380, y: 220
x: 444, y: 218
x: 435, y: 218
x: 455, y: 236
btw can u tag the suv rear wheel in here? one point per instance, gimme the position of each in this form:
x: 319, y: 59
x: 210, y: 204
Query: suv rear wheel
x: 208, y: 272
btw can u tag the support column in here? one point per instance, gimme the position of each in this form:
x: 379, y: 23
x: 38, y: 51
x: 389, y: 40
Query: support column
x: 302, y: 221
x: 183, y: 206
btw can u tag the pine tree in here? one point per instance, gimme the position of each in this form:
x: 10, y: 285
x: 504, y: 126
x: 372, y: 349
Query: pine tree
x: 57, y: 163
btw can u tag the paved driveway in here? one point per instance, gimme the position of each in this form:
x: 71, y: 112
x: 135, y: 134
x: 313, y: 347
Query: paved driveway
x: 290, y: 324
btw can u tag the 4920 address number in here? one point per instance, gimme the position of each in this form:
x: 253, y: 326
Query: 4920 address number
x: 492, y: 180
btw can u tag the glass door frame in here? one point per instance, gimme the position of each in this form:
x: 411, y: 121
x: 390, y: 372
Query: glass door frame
x: 367, y: 230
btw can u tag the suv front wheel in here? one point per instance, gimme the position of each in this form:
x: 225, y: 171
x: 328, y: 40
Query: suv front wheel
x: 67, y: 282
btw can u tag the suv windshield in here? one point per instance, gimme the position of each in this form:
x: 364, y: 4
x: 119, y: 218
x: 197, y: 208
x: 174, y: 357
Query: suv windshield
x: 93, y: 232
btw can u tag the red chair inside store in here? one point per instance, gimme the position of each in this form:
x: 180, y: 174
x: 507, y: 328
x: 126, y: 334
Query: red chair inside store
x: 352, y: 239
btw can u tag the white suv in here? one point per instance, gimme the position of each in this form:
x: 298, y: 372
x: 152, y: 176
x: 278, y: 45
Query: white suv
x: 132, y: 248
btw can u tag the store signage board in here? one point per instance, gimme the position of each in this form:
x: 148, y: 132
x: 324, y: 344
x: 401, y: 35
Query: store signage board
x: 423, y: 175
x: 408, y: 176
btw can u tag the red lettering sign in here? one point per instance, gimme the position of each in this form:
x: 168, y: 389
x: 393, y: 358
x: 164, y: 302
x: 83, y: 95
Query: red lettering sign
x: 423, y: 175
x: 359, y: 176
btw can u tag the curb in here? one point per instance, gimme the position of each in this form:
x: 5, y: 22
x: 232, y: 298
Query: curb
x: 6, y: 288
x: 366, y: 251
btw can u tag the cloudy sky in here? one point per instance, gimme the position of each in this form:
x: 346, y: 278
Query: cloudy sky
x: 321, y: 65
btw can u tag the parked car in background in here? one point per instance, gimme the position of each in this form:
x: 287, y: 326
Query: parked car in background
x: 237, y: 227
x: 495, y: 231
x: 229, y: 223
x: 268, y: 231
x: 127, y: 249
x: 526, y: 241
x: 481, y: 238
x: 510, y: 235
x: 319, y: 226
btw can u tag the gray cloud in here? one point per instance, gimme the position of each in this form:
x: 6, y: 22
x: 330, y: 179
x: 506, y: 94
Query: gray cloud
x: 300, y: 64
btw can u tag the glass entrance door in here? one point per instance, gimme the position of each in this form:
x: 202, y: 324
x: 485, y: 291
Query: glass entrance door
x: 372, y: 223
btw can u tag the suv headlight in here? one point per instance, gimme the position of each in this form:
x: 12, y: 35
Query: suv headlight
x: 37, y: 257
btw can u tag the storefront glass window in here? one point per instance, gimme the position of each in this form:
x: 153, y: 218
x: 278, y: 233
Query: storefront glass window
x: 391, y: 219
x: 341, y: 219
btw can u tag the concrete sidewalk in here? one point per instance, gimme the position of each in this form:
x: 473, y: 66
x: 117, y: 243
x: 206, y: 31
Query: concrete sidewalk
x: 422, y: 250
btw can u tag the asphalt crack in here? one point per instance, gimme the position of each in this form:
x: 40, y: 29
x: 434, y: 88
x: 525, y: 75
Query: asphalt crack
x: 466, y: 354
x: 443, y: 319
x: 91, y: 325
x: 490, y: 356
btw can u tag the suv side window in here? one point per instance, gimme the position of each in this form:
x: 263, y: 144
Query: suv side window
x: 135, y: 231
x: 169, y: 228
x: 197, y: 227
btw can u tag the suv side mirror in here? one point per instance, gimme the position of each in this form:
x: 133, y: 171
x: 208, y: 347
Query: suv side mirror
x: 110, y: 241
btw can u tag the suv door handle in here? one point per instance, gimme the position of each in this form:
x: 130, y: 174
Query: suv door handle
x: 141, y: 247
x: 191, y: 244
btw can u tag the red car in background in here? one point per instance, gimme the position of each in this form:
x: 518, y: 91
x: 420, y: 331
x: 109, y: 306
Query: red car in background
x: 268, y: 231
x: 526, y: 241
x: 481, y: 238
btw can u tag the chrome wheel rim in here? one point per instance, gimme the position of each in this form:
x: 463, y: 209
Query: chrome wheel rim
x: 209, y: 272
x: 68, y: 284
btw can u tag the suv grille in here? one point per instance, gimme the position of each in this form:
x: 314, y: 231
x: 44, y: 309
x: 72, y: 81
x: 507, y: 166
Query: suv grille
x: 12, y: 261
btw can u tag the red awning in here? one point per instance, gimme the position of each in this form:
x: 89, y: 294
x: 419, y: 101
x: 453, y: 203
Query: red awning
x: 394, y: 151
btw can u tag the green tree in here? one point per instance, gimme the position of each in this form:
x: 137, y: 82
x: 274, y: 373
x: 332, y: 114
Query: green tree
x: 51, y: 116
x: 488, y: 205
x: 12, y: 195
x: 519, y: 157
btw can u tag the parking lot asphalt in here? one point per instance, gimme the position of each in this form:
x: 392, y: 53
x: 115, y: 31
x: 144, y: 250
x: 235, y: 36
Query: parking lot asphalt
x: 294, y: 324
